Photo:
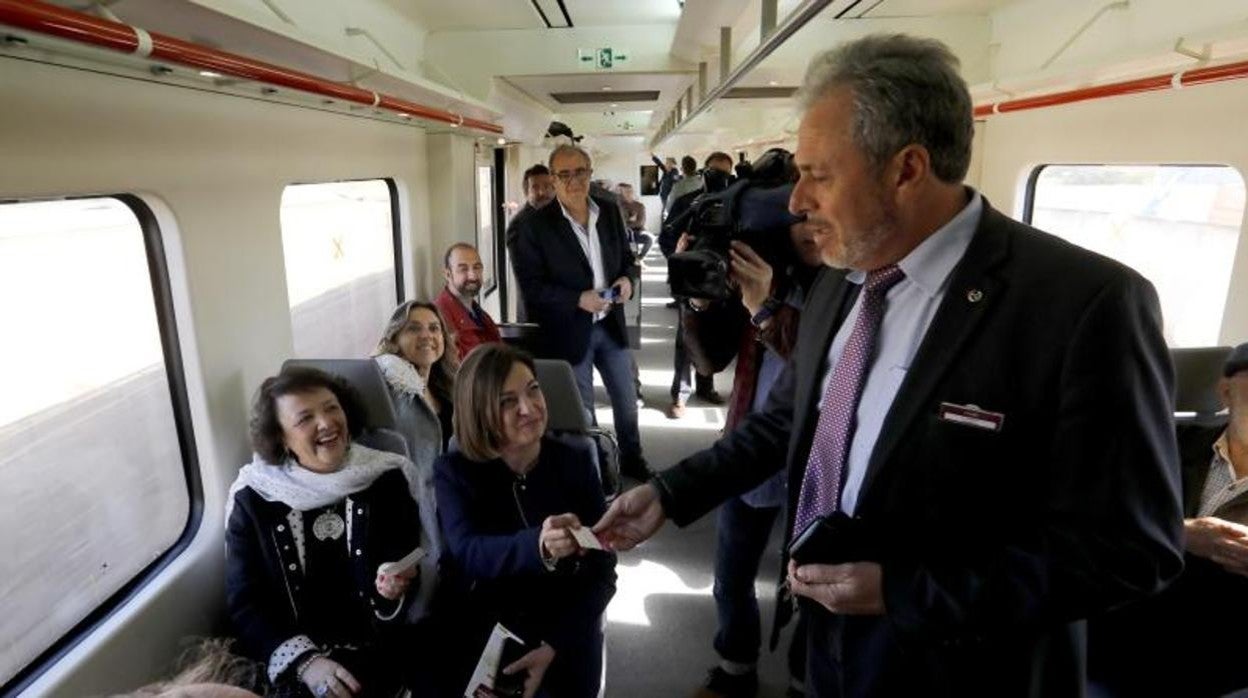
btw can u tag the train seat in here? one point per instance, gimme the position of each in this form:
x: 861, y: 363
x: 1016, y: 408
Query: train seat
x: 568, y: 421
x: 1196, y: 374
x: 380, y: 421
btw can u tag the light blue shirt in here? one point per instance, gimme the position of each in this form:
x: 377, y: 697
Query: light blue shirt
x: 910, y: 306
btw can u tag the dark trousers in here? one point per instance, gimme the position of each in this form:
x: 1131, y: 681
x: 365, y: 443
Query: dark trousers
x: 742, y: 535
x: 615, y: 363
x: 682, y: 378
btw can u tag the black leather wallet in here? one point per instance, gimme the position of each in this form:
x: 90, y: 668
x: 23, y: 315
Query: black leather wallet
x: 833, y: 539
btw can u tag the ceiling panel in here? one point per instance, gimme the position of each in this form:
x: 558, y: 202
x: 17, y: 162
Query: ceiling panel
x: 670, y: 86
x: 598, y: 13
x: 440, y: 15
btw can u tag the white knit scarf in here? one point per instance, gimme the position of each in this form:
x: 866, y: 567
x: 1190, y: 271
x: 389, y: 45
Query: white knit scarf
x: 301, y: 489
x: 401, y: 374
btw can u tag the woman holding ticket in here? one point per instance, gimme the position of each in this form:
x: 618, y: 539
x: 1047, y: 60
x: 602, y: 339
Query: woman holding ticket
x: 322, y: 541
x: 512, y: 501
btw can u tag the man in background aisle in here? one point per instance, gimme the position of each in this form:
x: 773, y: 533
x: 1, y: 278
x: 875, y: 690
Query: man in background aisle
x: 635, y: 219
x: 576, y: 271
x: 539, y: 190
x: 471, y: 325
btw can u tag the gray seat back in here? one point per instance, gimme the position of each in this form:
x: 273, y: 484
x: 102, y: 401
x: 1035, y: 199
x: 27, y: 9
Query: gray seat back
x: 564, y: 411
x: 568, y: 420
x: 380, y: 423
x: 1196, y: 374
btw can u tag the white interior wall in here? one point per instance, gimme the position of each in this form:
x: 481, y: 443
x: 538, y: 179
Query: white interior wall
x: 1191, y: 126
x: 451, y: 163
x: 218, y: 164
x: 618, y: 159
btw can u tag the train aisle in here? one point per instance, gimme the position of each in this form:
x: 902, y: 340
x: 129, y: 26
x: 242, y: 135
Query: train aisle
x: 662, y: 621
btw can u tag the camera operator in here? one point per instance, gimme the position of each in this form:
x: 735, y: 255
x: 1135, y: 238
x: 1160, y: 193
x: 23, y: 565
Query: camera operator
x: 770, y: 304
x: 715, y: 176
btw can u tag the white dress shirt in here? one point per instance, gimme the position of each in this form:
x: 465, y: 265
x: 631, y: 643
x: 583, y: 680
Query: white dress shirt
x: 590, y: 245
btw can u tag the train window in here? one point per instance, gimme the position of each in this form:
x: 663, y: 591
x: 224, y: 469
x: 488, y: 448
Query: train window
x: 1178, y: 225
x: 341, y: 244
x: 485, y: 225
x: 101, y: 486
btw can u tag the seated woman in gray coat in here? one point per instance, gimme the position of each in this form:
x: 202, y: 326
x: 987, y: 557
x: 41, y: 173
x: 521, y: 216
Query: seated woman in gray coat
x: 416, y: 354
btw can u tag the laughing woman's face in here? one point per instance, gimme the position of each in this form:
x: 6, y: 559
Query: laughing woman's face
x: 314, y: 428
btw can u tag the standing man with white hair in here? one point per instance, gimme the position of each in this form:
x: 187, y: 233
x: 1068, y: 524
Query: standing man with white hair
x: 976, y: 418
x: 576, y: 271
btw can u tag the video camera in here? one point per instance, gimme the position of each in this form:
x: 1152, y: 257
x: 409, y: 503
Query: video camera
x: 754, y: 210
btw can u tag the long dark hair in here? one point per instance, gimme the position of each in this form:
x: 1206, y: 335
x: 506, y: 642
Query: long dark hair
x: 442, y: 374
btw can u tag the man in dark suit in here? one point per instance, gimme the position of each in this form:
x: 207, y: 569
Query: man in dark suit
x: 990, y: 405
x: 1189, y: 640
x: 539, y: 191
x: 576, y: 271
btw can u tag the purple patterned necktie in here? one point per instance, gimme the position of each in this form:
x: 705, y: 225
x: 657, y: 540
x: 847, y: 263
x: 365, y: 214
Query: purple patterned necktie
x: 821, y: 485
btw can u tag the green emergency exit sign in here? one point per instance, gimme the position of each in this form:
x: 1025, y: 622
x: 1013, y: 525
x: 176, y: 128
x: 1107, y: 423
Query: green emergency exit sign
x: 601, y: 58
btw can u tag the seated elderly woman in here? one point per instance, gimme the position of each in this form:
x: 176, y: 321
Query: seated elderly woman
x: 508, y: 501
x: 309, y: 523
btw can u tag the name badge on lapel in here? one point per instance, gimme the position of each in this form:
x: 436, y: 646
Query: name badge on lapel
x: 971, y: 416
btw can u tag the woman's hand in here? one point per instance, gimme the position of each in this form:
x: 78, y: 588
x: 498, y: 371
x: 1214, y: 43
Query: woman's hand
x: 555, y: 539
x: 325, y: 678
x: 536, y: 662
x: 393, y: 586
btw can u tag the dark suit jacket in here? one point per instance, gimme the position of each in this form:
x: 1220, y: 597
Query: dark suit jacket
x: 1189, y: 640
x: 993, y: 545
x: 552, y: 271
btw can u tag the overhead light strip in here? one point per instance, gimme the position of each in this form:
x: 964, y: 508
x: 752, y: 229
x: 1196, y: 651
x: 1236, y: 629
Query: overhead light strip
x: 542, y: 12
x: 564, y: 9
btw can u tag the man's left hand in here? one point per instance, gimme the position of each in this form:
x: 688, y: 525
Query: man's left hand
x: 626, y: 289
x: 854, y: 588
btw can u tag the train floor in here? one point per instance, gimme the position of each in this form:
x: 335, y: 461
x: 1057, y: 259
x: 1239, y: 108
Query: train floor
x: 662, y: 621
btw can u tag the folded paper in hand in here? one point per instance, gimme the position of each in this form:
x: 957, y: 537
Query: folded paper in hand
x: 403, y: 566
x: 481, y: 685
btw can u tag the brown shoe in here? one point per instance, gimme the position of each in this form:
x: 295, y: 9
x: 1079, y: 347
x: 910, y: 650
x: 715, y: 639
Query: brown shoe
x: 676, y: 410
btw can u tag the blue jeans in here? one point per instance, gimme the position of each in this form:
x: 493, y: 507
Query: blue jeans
x: 742, y: 535
x: 615, y: 363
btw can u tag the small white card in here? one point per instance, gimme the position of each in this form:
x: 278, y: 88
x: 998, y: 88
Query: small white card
x: 403, y: 566
x: 586, y: 538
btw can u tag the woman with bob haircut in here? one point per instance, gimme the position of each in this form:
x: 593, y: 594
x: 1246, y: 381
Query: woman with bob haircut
x: 509, y: 499
x: 308, y: 523
x: 417, y: 357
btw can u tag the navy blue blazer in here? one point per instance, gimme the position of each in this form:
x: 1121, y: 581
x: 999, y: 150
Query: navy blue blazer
x: 491, y: 519
x: 994, y: 544
x: 552, y: 271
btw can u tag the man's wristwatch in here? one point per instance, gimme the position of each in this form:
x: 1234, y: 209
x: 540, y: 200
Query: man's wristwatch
x: 770, y: 306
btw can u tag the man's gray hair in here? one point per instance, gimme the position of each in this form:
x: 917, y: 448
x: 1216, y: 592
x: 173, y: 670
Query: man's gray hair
x: 906, y: 90
x: 564, y: 149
